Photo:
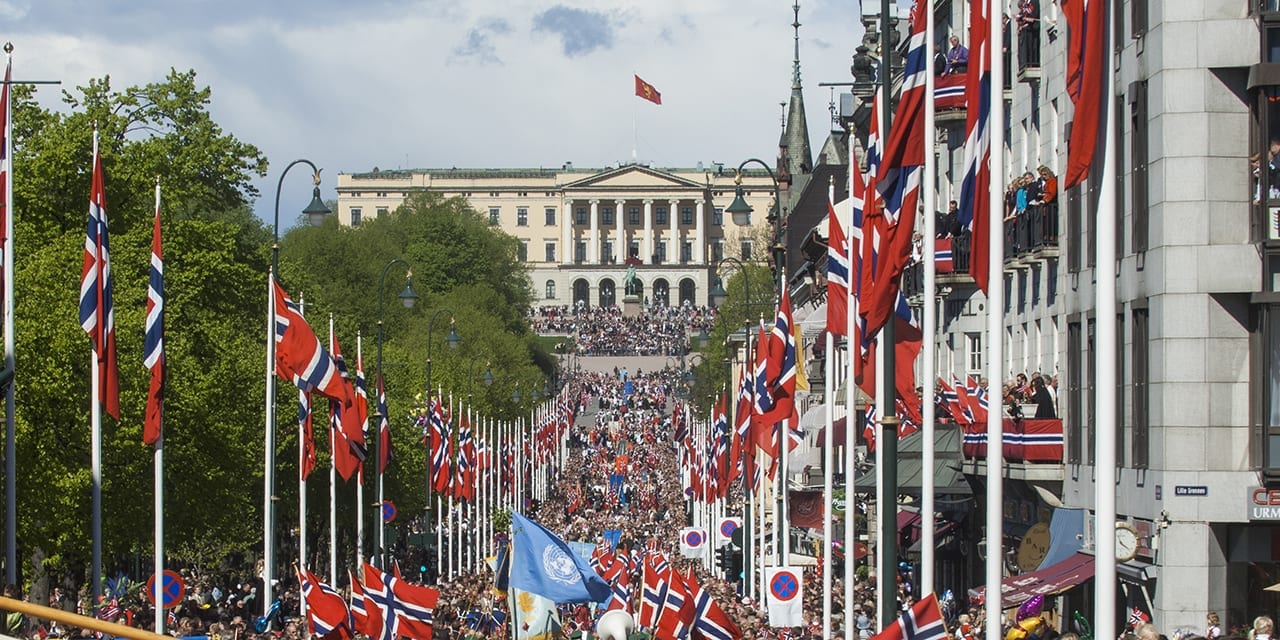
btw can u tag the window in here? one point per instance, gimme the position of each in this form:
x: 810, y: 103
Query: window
x: 355, y: 216
x: 606, y: 215
x: 1141, y: 402
x: 633, y: 216
x: 1120, y: 389
x: 660, y: 215
x: 973, y: 353
x: 1137, y: 17
x: 1074, y: 404
x: 686, y: 251
x: 607, y: 254
x: 1075, y: 251
x: 550, y: 251
x: 550, y: 216
x: 744, y: 250
x: 717, y: 251
x: 1090, y: 379
x: 686, y: 215
x: 381, y: 211
x: 580, y: 252
x: 522, y: 253
x: 1138, y: 123
x: 522, y: 216
x: 660, y: 256
x: 495, y: 216
x: 1119, y: 200
x: 1266, y: 374
x: 717, y: 216
x: 581, y: 214
x: 551, y: 290
x: 633, y: 250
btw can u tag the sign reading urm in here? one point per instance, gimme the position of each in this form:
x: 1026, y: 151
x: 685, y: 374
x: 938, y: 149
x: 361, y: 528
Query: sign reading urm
x: 1190, y: 490
x: 1264, y: 504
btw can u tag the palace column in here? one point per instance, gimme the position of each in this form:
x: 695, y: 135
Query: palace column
x: 620, y: 243
x: 566, y: 232
x: 593, y: 251
x: 648, y: 232
x: 673, y: 247
x: 700, y: 233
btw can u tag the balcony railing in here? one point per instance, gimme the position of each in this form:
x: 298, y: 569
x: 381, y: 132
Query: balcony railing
x: 1032, y: 232
x: 1026, y: 440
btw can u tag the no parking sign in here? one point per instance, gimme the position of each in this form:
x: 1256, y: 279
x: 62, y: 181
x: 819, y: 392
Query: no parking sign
x: 786, y: 593
x: 171, y: 589
x: 726, y: 529
x: 693, y: 542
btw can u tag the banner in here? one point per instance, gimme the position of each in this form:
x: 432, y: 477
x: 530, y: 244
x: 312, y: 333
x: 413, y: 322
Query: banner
x: 536, y: 617
x: 785, y: 595
x: 806, y: 509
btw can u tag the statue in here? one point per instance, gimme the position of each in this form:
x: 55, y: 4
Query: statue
x: 631, y: 285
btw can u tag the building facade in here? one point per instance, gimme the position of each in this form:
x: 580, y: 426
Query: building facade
x: 1198, y: 406
x: 581, y: 230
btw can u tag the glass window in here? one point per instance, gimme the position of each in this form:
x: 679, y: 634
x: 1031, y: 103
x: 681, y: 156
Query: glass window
x: 634, y: 250
x: 355, y: 216
x: 686, y: 251
x: 550, y: 252
x: 581, y: 215
x: 717, y: 216
x: 522, y: 216
x: 633, y: 216
x: 606, y: 215
x: 686, y: 215
x: 381, y: 211
x: 661, y: 254
x: 607, y: 254
x: 660, y: 215
x: 973, y: 352
x: 717, y: 251
x: 551, y: 289
x: 551, y: 216
x: 744, y: 250
x: 580, y: 251
x: 522, y: 254
x: 495, y: 216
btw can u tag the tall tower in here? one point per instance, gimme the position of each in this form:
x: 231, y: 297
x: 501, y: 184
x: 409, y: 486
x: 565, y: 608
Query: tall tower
x: 798, y: 156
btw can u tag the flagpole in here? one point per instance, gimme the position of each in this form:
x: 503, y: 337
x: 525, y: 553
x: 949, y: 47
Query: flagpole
x: 269, y: 446
x: 333, y: 481
x: 360, y: 472
x: 1108, y: 343
x: 887, y: 445
x: 10, y: 431
x: 158, y: 456
x: 828, y: 478
x: 928, y: 338
x: 852, y: 350
x: 995, y: 330
x: 95, y: 420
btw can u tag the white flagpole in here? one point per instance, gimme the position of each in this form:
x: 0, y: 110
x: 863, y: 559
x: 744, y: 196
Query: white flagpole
x: 1108, y: 342
x: 377, y: 395
x: 852, y: 351
x: 10, y: 446
x: 453, y: 469
x: 930, y: 320
x: 158, y: 457
x: 995, y: 329
x: 333, y: 483
x: 439, y: 517
x: 95, y: 435
x: 885, y: 406
x: 828, y: 481
x: 269, y: 448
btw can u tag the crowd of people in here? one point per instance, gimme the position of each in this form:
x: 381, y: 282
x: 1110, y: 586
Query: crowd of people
x: 658, y: 330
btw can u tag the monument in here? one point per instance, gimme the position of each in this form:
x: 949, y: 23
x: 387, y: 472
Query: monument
x: 632, y: 289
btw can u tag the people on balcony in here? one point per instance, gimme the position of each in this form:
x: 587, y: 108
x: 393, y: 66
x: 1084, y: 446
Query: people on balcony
x: 1047, y: 185
x: 957, y: 57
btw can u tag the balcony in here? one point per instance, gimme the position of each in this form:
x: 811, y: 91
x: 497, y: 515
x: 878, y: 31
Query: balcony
x: 1029, y: 53
x: 1033, y: 449
x: 949, y: 100
x: 1032, y: 236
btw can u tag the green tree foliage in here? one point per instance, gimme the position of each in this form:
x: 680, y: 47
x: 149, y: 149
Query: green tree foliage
x: 742, y: 307
x: 213, y: 247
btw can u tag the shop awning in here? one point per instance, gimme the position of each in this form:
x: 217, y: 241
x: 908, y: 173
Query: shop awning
x: 1051, y: 580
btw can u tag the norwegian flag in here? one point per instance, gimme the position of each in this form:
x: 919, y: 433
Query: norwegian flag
x: 1137, y: 616
x: 327, y: 613
x: 943, y: 259
x: 153, y: 347
x: 620, y: 586
x: 366, y: 617
x: 837, y: 274
x: 386, y: 452
x: 465, y: 481
x: 922, y: 622
x: 362, y: 398
x: 300, y: 358
x: 405, y: 610
x: 710, y: 621
x: 97, y: 309
x: 110, y: 610
x: 308, y: 438
x: 1087, y: 78
x: 438, y: 438
x: 739, y: 453
x: 975, y: 186
x: 344, y: 421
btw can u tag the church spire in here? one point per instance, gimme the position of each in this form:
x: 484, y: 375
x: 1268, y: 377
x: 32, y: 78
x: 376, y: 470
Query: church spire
x: 799, y: 158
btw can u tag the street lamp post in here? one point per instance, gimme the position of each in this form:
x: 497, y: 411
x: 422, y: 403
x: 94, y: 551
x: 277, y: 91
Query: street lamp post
x: 741, y: 212
x: 407, y: 297
x: 487, y: 378
x: 452, y: 339
x: 315, y: 212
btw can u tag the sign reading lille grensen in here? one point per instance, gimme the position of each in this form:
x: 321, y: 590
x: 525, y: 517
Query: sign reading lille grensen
x: 1264, y: 504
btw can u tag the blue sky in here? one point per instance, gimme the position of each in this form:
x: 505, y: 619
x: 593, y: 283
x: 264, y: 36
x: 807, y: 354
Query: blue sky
x: 469, y: 83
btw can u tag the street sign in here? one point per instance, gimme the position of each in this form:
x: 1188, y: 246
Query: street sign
x: 1190, y: 490
x: 388, y: 511
x: 171, y: 589
x: 784, y: 586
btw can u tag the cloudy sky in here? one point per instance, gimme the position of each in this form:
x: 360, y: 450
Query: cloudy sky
x: 355, y: 84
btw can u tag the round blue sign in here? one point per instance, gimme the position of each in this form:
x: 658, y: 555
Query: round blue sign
x: 784, y: 585
x: 727, y: 527
x: 388, y: 511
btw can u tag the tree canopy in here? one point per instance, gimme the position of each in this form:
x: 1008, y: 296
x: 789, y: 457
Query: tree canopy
x: 216, y: 261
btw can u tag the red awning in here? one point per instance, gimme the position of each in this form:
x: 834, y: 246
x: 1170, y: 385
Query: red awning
x: 837, y: 434
x: 1050, y: 580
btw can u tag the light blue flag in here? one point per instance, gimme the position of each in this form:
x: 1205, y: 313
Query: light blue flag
x: 543, y: 564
